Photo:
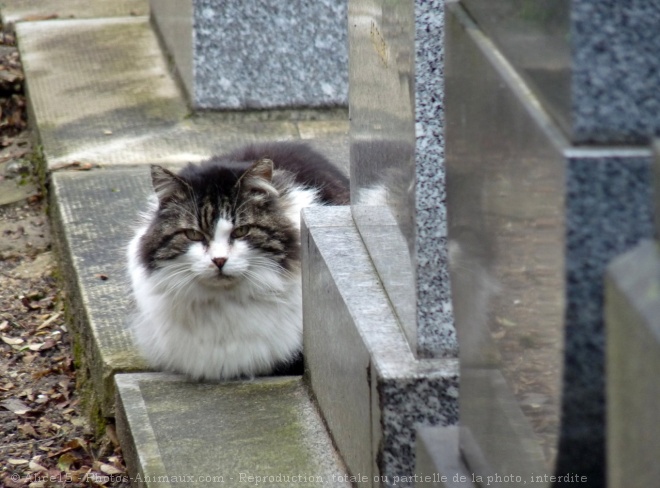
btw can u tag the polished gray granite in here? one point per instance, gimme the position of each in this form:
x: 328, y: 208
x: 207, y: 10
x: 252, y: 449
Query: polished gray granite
x: 257, y: 55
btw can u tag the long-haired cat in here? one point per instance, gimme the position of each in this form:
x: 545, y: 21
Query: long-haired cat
x: 215, y: 265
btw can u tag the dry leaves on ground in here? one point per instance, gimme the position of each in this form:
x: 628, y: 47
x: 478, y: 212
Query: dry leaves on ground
x: 44, y: 440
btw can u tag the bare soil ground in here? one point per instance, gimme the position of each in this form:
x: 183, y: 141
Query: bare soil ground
x: 44, y: 439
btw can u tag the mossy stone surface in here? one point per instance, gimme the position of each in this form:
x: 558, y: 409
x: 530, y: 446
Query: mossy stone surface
x: 261, y: 432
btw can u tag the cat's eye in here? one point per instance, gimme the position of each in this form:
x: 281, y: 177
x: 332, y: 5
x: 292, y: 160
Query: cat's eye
x: 194, y: 235
x: 239, y: 232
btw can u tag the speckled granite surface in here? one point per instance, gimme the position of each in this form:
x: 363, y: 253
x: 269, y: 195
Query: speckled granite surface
x: 609, y: 210
x: 258, y: 54
x: 436, y: 336
x: 616, y: 71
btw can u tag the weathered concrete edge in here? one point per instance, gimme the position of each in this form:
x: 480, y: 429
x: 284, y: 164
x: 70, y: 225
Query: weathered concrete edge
x: 96, y: 367
x: 140, y: 443
x: 136, y: 436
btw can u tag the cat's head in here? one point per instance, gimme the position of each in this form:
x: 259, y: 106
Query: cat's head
x: 219, y: 225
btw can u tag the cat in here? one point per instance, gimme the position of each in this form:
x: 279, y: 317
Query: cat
x: 215, y: 264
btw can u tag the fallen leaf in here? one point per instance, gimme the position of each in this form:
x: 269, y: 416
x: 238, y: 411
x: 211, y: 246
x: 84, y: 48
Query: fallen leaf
x: 27, y: 429
x: 12, y: 341
x: 66, y: 460
x: 17, y: 462
x: 77, y: 443
x: 16, y: 406
x: 48, y: 344
x: 50, y: 320
x: 35, y: 466
x: 108, y: 469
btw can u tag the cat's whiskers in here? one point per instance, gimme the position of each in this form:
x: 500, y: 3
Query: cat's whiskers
x: 263, y: 290
x: 261, y: 262
x: 175, y: 278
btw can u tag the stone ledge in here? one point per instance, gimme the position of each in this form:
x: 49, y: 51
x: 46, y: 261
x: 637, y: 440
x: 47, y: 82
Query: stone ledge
x: 92, y: 215
x: 370, y: 388
x: 173, y: 430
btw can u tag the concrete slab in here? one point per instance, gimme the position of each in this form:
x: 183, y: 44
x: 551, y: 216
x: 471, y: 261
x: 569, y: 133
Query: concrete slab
x: 20, y: 11
x: 93, y: 214
x: 263, y: 432
x: 101, y: 93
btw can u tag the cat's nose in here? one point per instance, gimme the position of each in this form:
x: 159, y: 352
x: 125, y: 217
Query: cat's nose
x: 219, y: 262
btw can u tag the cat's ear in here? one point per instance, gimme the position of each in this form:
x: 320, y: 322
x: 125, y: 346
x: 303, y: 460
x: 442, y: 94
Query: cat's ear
x: 166, y: 184
x: 258, y: 178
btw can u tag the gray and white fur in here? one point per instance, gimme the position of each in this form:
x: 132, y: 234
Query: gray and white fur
x: 215, y: 264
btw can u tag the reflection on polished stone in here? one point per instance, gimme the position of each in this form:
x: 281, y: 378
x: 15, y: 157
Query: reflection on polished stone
x: 382, y: 139
x: 534, y: 36
x: 506, y: 196
x: 397, y: 160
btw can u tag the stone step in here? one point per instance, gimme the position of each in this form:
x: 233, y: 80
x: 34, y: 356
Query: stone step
x: 265, y: 432
x: 92, y: 215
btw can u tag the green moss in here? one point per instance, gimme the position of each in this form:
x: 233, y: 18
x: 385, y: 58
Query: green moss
x: 89, y: 404
x: 39, y: 171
